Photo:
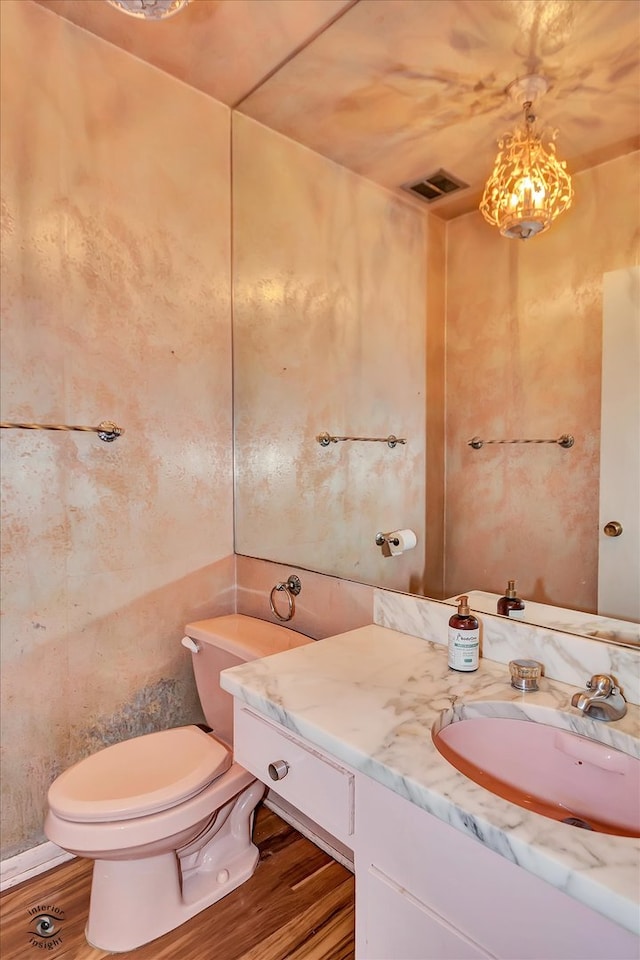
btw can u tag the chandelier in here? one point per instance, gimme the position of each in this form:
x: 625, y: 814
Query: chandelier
x: 149, y: 9
x: 529, y: 187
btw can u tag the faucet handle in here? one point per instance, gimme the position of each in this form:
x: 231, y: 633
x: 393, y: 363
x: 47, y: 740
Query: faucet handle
x: 605, y: 701
x: 525, y: 674
x: 602, y: 684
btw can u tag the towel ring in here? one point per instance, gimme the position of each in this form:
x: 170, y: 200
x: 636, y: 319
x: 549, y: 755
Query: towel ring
x: 292, y: 588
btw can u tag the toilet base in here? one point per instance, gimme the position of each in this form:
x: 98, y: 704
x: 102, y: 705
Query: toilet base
x: 135, y: 901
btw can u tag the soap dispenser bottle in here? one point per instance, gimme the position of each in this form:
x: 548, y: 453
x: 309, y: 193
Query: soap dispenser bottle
x: 511, y: 605
x: 464, y: 638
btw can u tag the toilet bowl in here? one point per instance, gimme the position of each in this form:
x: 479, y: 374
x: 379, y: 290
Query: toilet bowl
x: 167, y: 817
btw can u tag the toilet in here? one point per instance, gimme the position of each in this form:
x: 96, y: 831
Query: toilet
x: 168, y: 816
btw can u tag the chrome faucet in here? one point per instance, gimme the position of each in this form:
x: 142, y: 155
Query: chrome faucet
x: 602, y: 699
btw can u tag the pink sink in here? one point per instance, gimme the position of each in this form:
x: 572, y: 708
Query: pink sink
x: 550, y: 771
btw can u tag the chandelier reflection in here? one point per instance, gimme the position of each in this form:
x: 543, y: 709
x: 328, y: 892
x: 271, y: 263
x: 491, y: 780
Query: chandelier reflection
x: 149, y: 9
x: 529, y: 187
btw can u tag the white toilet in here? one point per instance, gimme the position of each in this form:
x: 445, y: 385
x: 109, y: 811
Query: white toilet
x: 168, y: 816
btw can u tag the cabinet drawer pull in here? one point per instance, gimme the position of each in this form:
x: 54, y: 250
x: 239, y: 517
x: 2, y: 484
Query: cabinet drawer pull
x: 278, y: 769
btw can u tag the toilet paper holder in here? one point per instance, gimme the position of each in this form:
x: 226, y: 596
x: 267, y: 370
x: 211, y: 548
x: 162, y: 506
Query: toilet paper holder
x: 388, y: 538
x: 396, y: 542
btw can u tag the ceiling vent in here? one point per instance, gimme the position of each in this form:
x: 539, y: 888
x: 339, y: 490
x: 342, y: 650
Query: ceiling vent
x: 437, y: 185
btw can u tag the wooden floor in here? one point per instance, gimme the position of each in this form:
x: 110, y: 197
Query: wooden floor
x: 299, y: 904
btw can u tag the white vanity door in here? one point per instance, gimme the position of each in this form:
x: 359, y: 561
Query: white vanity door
x: 425, y: 891
x: 398, y: 925
x: 619, y: 557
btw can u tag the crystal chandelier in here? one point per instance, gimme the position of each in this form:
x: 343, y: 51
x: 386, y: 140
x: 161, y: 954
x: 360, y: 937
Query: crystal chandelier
x: 529, y: 186
x: 149, y: 9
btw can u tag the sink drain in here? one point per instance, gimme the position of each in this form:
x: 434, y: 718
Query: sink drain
x: 577, y: 822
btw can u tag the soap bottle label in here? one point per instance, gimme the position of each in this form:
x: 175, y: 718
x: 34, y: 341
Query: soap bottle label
x: 464, y: 648
x: 516, y: 614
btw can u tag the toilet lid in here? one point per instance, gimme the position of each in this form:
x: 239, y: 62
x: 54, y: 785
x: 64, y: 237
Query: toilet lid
x: 139, y: 776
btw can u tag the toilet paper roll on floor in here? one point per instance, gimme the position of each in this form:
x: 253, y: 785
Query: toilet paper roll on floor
x: 406, y: 541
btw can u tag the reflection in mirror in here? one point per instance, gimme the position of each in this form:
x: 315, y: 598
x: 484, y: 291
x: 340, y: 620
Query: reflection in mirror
x: 329, y: 336
x: 339, y: 291
x: 360, y: 312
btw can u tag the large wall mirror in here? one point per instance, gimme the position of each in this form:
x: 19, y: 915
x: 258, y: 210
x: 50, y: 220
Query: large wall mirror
x: 360, y: 311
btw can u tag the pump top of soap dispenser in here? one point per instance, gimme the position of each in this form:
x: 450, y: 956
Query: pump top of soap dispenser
x: 463, y: 606
x: 511, y: 589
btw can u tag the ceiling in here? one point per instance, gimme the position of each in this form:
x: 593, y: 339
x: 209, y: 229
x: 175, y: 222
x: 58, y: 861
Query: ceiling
x: 396, y: 89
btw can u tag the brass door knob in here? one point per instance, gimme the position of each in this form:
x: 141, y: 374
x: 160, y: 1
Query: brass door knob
x: 612, y: 529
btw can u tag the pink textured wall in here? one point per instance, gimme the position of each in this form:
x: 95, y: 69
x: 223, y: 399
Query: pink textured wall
x: 325, y: 605
x: 115, y: 304
x: 524, y: 332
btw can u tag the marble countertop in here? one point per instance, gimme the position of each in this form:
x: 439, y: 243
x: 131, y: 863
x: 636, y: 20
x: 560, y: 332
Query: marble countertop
x: 371, y: 697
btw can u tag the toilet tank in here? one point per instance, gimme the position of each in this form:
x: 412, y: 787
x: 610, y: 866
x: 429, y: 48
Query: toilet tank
x: 224, y: 642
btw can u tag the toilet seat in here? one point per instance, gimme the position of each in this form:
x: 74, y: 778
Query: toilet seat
x: 141, y: 776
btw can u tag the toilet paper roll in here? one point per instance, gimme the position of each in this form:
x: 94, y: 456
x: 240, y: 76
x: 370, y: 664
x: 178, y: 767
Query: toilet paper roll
x: 406, y: 541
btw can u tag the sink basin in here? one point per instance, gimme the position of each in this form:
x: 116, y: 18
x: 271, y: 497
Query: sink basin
x: 548, y: 770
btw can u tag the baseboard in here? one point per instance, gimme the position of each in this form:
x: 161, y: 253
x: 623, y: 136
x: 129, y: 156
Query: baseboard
x: 310, y: 830
x: 30, y: 863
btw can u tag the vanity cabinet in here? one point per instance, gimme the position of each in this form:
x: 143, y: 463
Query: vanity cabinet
x: 425, y: 891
